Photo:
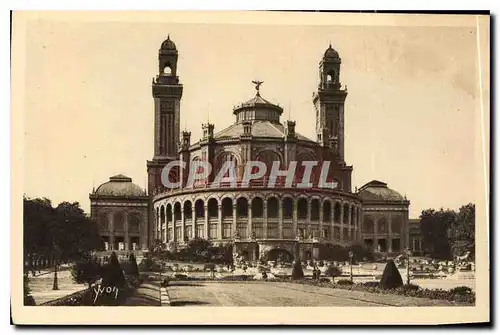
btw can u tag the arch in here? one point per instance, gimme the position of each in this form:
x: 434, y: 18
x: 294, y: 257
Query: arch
x: 103, y: 220
x: 302, y: 208
x: 213, y: 208
x: 280, y: 255
x: 327, y: 210
x: 353, y: 215
x: 118, y: 220
x: 168, y: 212
x: 396, y: 224
x: 268, y: 157
x: 368, y: 224
x: 315, y: 209
x: 257, y: 207
x: 346, y: 213
x: 199, y: 209
x: 382, y: 225
x: 167, y: 69
x: 134, y: 221
x: 336, y: 212
x: 242, y: 207
x: 177, y: 211
x: 287, y: 208
x: 272, y: 207
x: 188, y: 209
x: 227, y: 207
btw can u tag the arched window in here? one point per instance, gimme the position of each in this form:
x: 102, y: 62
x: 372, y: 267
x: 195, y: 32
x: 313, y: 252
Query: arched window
x: 272, y: 207
x: 315, y: 209
x: 336, y: 213
x: 268, y: 157
x: 302, y: 208
x: 134, y: 222
x: 227, y: 208
x: 327, y: 211
x: 222, y: 159
x: 104, y: 221
x: 188, y: 210
x: 346, y: 213
x: 396, y: 223
x: 257, y: 207
x: 382, y: 225
x: 242, y: 208
x: 213, y: 208
x: 177, y: 211
x: 199, y: 207
x: 368, y: 224
x: 353, y: 215
x: 118, y: 220
x: 169, y: 213
x: 287, y: 208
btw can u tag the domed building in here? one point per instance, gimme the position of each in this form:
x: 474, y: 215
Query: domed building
x: 258, y: 219
x: 121, y: 210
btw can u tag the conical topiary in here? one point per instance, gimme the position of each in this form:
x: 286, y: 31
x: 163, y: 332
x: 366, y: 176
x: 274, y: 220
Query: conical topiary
x: 297, y: 272
x: 134, y: 270
x: 113, y: 275
x: 391, y: 278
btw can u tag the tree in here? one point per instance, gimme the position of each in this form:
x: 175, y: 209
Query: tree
x: 28, y: 299
x: 435, y: 227
x: 86, y: 271
x: 391, y: 278
x: 333, y: 271
x: 65, y: 226
x: 463, y: 238
x: 297, y: 272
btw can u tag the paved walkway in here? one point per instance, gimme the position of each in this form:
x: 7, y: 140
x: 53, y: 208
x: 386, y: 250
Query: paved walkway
x: 282, y: 294
x: 41, y: 286
x: 147, y: 294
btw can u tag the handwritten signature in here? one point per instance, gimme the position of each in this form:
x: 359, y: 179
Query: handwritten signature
x: 108, y: 290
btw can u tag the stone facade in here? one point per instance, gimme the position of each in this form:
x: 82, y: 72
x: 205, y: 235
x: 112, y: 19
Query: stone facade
x: 121, y: 210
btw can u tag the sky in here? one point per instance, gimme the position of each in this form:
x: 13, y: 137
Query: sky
x: 411, y: 113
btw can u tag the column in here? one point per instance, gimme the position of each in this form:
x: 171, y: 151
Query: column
x: 111, y: 232
x: 193, y: 221
x: 349, y: 218
x: 294, y: 224
x: 219, y: 221
x: 235, y: 217
x: 207, y: 220
x: 126, y: 241
x: 165, y: 219
x: 389, y: 232
x: 264, y: 219
x: 321, y: 219
x: 332, y: 228
x: 342, y: 222
x: 375, y: 232
x: 308, y: 226
x: 280, y: 218
x: 172, y: 217
x: 183, y: 225
x: 249, y: 224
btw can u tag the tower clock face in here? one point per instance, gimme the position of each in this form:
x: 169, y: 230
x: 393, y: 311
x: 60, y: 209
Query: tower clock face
x: 167, y: 107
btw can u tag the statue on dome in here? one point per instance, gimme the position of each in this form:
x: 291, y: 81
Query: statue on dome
x: 257, y: 85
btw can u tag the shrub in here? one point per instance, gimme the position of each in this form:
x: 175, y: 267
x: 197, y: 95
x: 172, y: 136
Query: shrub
x: 86, y: 271
x: 180, y: 276
x: 146, y: 264
x: 28, y: 299
x: 345, y: 282
x: 410, y: 287
x: 391, y: 278
x: 371, y: 284
x: 297, y: 272
x: 461, y: 290
x: 321, y: 264
x: 333, y: 271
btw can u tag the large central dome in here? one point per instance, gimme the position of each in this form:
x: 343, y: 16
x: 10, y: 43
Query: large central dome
x: 257, y: 108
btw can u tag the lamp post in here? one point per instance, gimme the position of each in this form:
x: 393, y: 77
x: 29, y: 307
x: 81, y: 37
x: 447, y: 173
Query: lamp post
x: 351, y: 255
x: 407, y: 254
x: 55, y: 285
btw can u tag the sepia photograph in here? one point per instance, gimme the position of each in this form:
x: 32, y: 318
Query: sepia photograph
x: 289, y: 164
